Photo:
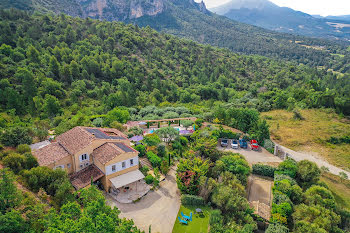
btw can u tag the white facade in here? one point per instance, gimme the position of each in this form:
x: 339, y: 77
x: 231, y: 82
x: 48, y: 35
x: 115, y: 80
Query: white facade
x: 119, y: 165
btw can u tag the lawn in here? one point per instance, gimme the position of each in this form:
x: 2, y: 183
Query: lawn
x: 340, y: 189
x: 310, y: 135
x: 198, y: 225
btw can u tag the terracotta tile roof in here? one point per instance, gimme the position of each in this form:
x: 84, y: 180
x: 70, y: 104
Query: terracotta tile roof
x: 106, y: 152
x: 75, y: 139
x: 82, y: 178
x: 50, y: 154
x: 79, y: 137
x: 109, y: 151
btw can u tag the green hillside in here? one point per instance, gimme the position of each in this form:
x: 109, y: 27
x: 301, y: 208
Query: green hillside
x: 75, y: 60
x: 188, y: 19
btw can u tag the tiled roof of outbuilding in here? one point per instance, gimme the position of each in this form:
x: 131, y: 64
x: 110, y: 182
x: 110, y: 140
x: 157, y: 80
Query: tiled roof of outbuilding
x: 82, y: 178
x: 49, y: 154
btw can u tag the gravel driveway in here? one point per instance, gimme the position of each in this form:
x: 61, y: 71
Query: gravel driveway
x: 158, y: 208
x: 319, y: 161
x: 253, y: 157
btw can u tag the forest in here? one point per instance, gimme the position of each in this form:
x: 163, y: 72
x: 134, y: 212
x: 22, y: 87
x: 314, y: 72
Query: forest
x: 59, y: 69
x: 191, y: 20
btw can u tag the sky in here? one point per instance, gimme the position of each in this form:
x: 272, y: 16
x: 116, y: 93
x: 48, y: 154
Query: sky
x: 313, y: 7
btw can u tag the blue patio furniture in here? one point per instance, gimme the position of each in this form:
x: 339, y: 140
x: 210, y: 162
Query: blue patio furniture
x: 190, y: 217
x: 185, y: 216
x: 182, y: 221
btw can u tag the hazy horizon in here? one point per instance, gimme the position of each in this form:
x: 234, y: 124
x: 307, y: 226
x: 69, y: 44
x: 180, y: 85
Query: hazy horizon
x: 312, y: 7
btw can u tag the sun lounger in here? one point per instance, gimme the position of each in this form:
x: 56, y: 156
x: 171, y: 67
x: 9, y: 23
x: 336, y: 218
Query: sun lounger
x: 182, y: 221
x: 185, y: 216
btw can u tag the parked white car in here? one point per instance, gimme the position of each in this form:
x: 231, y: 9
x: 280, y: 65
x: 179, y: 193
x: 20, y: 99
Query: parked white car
x: 234, y: 144
x: 224, y: 143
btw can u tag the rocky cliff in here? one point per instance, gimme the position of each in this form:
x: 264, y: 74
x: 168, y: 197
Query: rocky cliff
x: 122, y: 10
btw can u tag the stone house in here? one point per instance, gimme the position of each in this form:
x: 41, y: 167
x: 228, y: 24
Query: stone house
x: 100, y: 154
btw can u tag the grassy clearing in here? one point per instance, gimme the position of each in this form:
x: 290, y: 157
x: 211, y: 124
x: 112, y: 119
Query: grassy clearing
x: 198, y: 224
x: 340, y: 189
x: 310, y: 135
x: 339, y: 55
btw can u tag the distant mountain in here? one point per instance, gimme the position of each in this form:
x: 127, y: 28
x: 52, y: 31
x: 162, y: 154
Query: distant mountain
x: 339, y: 17
x: 266, y: 14
x: 186, y: 18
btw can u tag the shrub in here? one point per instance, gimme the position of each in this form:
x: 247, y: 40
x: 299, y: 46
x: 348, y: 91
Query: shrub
x: 98, y: 122
x: 30, y: 161
x: 15, y: 162
x: 199, y: 122
x: 277, y: 228
x: 308, y: 173
x: 264, y: 170
x: 236, y: 164
x: 283, y: 186
x: 46, y: 178
x: 23, y: 148
x: 16, y: 136
x: 297, y: 115
x: 154, y: 159
x: 339, y: 140
x: 289, y: 167
x: 117, y: 114
x: 135, y: 130
x: 187, y: 199
x: 285, y: 209
x: 161, y: 149
x: 164, y: 167
x: 149, y: 179
x: 1, y: 147
x: 215, y: 217
x: 151, y: 139
x: 142, y: 149
x: 279, y: 198
x: 279, y: 177
x: 144, y: 170
x: 118, y: 126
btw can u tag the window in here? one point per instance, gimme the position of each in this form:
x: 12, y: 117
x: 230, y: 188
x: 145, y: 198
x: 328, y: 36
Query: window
x: 60, y: 166
x: 123, y: 164
x: 131, y: 162
x: 113, y: 168
x: 84, y: 157
x: 68, y: 165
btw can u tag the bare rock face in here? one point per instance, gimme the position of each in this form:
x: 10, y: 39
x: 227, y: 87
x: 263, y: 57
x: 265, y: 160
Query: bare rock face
x: 202, y: 7
x: 148, y: 7
x: 120, y: 9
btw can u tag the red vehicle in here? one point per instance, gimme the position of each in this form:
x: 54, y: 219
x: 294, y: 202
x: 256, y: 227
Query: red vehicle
x: 254, y: 145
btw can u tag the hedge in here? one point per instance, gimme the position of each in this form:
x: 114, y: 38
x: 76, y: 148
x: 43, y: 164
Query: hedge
x: 187, y: 199
x: 154, y: 159
x: 264, y: 170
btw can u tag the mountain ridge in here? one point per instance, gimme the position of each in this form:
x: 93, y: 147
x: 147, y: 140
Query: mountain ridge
x: 264, y: 13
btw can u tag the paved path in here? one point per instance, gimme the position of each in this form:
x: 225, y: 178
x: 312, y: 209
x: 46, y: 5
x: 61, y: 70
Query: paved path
x: 320, y: 162
x: 158, y: 208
